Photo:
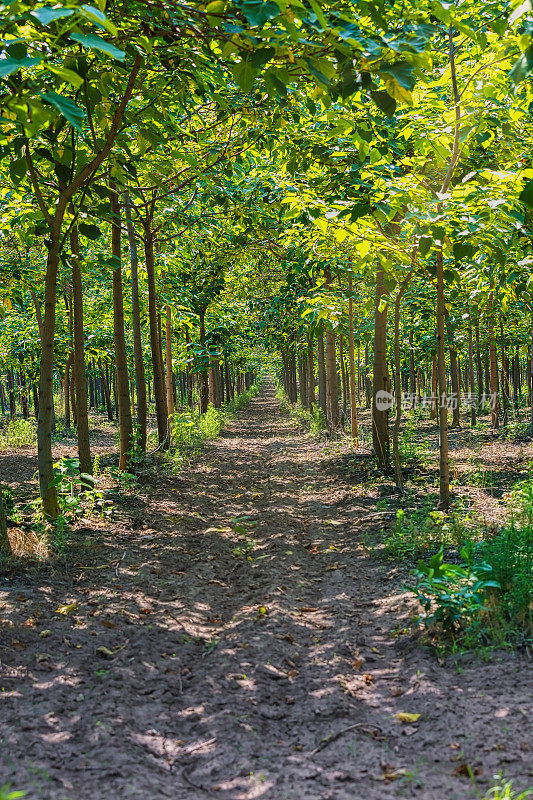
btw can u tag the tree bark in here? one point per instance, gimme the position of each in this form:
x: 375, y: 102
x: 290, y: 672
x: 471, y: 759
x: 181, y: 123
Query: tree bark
x: 351, y: 357
x: 80, y: 377
x: 121, y: 358
x: 161, y: 409
x: 140, y: 376
x: 444, y: 462
x: 381, y: 381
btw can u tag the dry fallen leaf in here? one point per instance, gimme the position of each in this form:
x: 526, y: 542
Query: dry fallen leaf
x: 68, y: 609
x: 368, y: 678
x: 405, y: 718
x: 105, y: 651
x: 358, y: 663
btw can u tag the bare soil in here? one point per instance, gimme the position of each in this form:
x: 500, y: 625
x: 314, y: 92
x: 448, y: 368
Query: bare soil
x: 186, y: 669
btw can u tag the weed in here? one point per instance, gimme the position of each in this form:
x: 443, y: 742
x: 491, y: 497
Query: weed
x: 505, y: 791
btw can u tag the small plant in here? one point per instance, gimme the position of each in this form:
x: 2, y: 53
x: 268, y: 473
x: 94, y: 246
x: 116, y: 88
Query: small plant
x: 452, y: 596
x: 244, y: 550
x: 505, y: 791
x: 7, y: 794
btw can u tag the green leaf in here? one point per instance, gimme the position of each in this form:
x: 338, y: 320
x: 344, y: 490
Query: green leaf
x: 17, y: 170
x: 526, y: 195
x: 257, y: 12
x: 46, y: 15
x: 244, y: 75
x: 68, y: 75
x: 424, y: 245
x: 94, y: 42
x: 96, y: 16
x: 65, y: 106
x: 402, y: 72
x: 262, y: 56
x: 384, y: 101
x: 92, y: 232
x: 522, y: 67
x: 10, y: 65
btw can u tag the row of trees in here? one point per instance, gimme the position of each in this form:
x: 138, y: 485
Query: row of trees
x: 252, y: 158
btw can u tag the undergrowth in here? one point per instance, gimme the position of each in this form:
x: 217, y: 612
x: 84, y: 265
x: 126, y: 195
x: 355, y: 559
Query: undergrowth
x: 190, y: 429
x: 485, y: 596
x: 19, y: 433
x: 312, y: 419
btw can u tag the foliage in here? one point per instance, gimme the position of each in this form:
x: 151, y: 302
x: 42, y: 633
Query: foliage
x: 452, y: 595
x: 19, y: 433
x: 190, y: 429
x: 417, y: 531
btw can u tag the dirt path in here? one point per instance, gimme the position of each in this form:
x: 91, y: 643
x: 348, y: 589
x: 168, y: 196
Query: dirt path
x: 221, y: 677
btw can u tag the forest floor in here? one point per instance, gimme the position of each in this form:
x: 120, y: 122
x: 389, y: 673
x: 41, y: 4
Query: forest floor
x: 229, y: 634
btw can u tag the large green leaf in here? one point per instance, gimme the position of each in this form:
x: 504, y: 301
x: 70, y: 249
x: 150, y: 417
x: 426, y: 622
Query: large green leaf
x: 384, y: 101
x: 10, y: 65
x: 244, y: 75
x: 65, y: 106
x: 46, y: 14
x: 402, y: 71
x: 522, y: 67
x: 526, y: 195
x: 92, y: 232
x: 257, y: 12
x: 94, y: 42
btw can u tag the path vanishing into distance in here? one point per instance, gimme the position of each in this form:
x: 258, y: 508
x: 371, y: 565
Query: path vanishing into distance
x: 228, y: 634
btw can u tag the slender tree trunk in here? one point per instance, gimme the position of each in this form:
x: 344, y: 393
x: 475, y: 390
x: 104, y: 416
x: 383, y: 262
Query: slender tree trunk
x: 381, y: 382
x: 332, y: 379
x: 444, y: 462
x: 203, y: 380
x: 121, y: 358
x: 46, y: 374
x: 493, y: 370
x: 310, y: 370
x: 66, y: 384
x: 161, y: 409
x: 5, y: 544
x: 321, y: 361
x: 140, y: 376
x: 168, y: 357
x: 433, y: 410
x: 80, y: 377
x: 106, y: 391
x: 351, y: 357
x: 454, y: 373
x: 472, y: 402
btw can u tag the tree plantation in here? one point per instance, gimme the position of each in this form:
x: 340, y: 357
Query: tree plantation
x: 266, y: 399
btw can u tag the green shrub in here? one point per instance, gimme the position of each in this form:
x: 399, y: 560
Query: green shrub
x: 422, y: 529
x: 19, y: 433
x: 452, y: 595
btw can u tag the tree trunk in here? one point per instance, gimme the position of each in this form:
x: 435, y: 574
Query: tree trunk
x: 471, y: 398
x: 433, y: 409
x: 203, y: 380
x: 381, y: 381
x: 493, y: 369
x: 454, y: 373
x: 444, y: 461
x: 140, y: 376
x: 5, y: 544
x: 121, y: 358
x: 46, y: 373
x: 310, y: 370
x: 332, y: 378
x: 168, y: 358
x: 161, y: 409
x: 351, y: 357
x: 321, y: 363
x: 80, y: 377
